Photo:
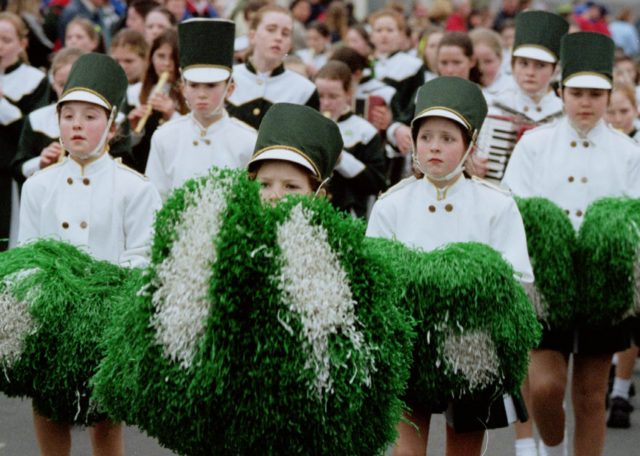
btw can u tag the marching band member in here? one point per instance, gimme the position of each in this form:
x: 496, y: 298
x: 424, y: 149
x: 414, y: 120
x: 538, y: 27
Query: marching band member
x: 574, y: 162
x: 189, y: 145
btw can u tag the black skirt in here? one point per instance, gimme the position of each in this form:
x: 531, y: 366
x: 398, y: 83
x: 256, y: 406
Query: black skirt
x: 588, y: 340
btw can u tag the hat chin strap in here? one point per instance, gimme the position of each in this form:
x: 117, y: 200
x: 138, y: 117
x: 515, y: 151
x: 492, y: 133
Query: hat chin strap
x: 220, y: 107
x: 321, y: 186
x: 453, y: 173
x: 100, y: 147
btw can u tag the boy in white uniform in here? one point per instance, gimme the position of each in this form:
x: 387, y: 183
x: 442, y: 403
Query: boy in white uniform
x: 188, y: 146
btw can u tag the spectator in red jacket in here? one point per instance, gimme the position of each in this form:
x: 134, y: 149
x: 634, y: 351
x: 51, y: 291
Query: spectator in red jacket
x: 590, y: 17
x: 458, y: 21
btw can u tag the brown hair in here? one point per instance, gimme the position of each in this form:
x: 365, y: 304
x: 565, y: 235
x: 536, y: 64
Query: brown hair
x: 165, y: 12
x: 21, y: 29
x: 143, y: 7
x: 169, y: 37
x: 132, y: 40
x: 91, y: 29
x: 337, y: 19
x: 424, y: 39
x: 352, y: 58
x: 24, y: 6
x: 65, y: 57
x: 336, y: 71
x: 462, y: 41
x: 388, y: 12
x: 257, y: 17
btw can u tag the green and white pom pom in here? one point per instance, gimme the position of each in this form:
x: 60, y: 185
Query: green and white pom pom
x: 475, y: 325
x: 55, y: 305
x: 551, y: 241
x: 259, y: 330
x: 608, y: 263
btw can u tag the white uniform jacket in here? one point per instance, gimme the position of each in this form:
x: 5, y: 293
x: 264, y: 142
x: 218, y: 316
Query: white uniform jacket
x: 103, y: 207
x: 182, y: 149
x: 515, y: 101
x: 555, y: 162
x: 420, y: 216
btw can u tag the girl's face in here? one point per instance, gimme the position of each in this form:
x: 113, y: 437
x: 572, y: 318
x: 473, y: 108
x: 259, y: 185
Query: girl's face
x: 82, y: 125
x: 439, y: 146
x: 177, y: 8
x: 60, y: 79
x: 532, y: 76
x: 77, y: 37
x: 357, y: 43
x: 204, y: 99
x: 508, y: 37
x: 279, y: 178
x: 272, y: 39
x: 10, y: 44
x: 135, y: 21
x: 315, y: 41
x: 154, y: 25
x: 453, y: 62
x: 488, y: 63
x: 385, y: 35
x: 333, y: 98
x: 585, y: 107
x: 431, y: 49
x: 132, y: 64
x: 621, y: 113
x: 625, y: 71
x: 162, y: 60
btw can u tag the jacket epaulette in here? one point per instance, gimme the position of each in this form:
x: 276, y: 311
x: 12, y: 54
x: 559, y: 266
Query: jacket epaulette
x: 403, y: 183
x: 48, y: 168
x: 491, y: 185
x: 243, y: 124
x: 119, y: 164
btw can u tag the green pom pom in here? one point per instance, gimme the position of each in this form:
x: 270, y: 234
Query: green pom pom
x: 262, y: 374
x: 607, y: 262
x: 475, y: 325
x: 65, y: 306
x: 551, y: 242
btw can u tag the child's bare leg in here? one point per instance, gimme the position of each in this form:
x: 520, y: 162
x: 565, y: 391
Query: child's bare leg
x: 54, y: 439
x: 106, y: 439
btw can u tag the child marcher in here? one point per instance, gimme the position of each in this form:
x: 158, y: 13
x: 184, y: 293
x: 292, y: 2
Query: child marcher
x: 287, y: 159
x: 262, y: 80
x: 574, y: 162
x: 188, y: 146
x: 90, y: 200
x: 359, y: 174
x: 441, y: 206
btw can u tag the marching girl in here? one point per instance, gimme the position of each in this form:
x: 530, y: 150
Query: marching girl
x: 81, y: 33
x: 262, y: 80
x: 401, y: 71
x: 131, y: 51
x: 23, y: 89
x: 316, y: 54
x: 156, y: 22
x: 287, y: 159
x: 359, y: 175
x: 39, y: 144
x: 89, y: 200
x: 160, y: 99
x: 573, y: 162
x: 535, y: 55
x: 487, y: 49
x: 622, y: 115
x: 428, y: 45
x: 188, y: 146
x: 440, y: 206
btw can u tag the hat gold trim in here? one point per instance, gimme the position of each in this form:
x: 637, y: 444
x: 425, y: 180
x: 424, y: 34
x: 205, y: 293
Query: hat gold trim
x: 292, y: 149
x: 85, y: 89
x: 453, y: 111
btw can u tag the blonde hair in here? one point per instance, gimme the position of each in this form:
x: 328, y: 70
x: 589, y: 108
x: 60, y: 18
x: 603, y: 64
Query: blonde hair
x: 131, y: 40
x: 65, y: 57
x: 21, y: 29
x: 487, y: 37
x: 89, y: 28
x: 629, y: 93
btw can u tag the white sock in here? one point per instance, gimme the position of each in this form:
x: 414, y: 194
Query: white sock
x: 621, y: 388
x: 526, y: 447
x: 557, y: 450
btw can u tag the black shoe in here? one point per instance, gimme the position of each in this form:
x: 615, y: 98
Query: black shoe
x: 619, y: 413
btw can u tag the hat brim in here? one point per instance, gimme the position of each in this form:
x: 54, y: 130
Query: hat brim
x: 204, y: 74
x: 84, y: 95
x: 446, y: 113
x: 535, y: 53
x: 588, y: 81
x: 284, y: 155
